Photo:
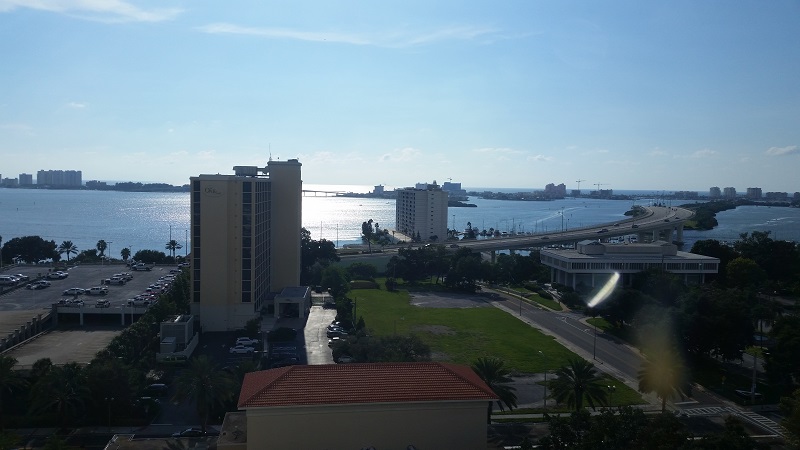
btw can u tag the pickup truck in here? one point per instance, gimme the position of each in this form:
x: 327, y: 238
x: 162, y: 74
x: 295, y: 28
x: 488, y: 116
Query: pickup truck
x: 142, y: 266
x: 97, y: 290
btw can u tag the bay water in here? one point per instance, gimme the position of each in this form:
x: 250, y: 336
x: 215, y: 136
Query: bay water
x: 148, y: 220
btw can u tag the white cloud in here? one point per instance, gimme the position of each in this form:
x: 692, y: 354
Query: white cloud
x: 778, y: 151
x: 658, y: 152
x: 19, y: 127
x: 540, y: 158
x: 76, y: 105
x: 394, y: 39
x: 704, y: 153
x: 98, y: 10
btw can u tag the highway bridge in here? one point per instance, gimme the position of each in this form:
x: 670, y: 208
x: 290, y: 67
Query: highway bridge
x: 658, y: 222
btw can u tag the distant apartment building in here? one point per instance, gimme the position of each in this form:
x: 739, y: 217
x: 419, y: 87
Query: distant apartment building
x: 729, y: 192
x: 777, y: 196
x: 553, y: 191
x: 72, y: 178
x: 714, y: 192
x: 8, y: 182
x: 94, y: 184
x: 686, y: 195
x: 421, y: 212
x: 754, y: 193
x: 245, y: 242
x: 25, y: 179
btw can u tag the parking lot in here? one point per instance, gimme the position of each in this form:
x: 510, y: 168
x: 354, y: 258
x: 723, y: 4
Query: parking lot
x: 72, y: 342
x: 83, y: 277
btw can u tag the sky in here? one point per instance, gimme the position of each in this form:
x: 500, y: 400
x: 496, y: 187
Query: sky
x: 679, y: 95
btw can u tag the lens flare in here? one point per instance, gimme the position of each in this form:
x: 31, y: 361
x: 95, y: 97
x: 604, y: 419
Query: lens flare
x: 605, y: 291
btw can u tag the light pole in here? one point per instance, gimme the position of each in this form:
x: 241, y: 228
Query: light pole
x: 545, y: 380
x: 108, y: 401
x: 611, y: 390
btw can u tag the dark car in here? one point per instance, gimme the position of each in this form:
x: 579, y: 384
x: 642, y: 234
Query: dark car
x: 190, y: 432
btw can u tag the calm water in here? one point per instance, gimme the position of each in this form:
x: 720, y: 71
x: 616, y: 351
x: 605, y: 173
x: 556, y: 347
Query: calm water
x: 143, y: 220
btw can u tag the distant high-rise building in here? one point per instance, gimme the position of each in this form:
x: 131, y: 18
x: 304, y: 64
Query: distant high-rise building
x: 777, y: 196
x: 245, y: 241
x: 553, y: 191
x: 714, y: 192
x: 422, y: 212
x: 72, y: 178
x: 754, y: 193
x: 25, y: 179
x: 729, y: 192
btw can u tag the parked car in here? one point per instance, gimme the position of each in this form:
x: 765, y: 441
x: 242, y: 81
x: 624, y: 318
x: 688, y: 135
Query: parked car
x: 246, y: 341
x: 102, y: 304
x: 346, y: 359
x: 22, y: 277
x: 241, y: 349
x: 75, y: 303
x: 137, y: 302
x: 74, y: 291
x: 115, y: 280
x: 41, y: 284
x: 97, y: 290
x: 190, y: 432
x: 57, y: 275
x: 334, y: 340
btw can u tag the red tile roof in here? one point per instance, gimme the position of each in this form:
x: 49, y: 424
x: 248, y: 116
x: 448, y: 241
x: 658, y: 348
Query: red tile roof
x: 334, y: 384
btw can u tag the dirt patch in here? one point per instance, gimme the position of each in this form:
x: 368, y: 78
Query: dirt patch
x: 447, y: 300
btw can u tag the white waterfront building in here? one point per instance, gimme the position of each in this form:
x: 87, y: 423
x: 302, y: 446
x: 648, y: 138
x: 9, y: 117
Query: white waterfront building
x: 591, y: 263
x: 245, y: 242
x: 422, y: 211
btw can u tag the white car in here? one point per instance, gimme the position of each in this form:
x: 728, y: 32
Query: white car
x: 102, y: 304
x: 246, y: 341
x: 41, y: 284
x: 57, y: 275
x: 242, y: 349
x: 97, y: 290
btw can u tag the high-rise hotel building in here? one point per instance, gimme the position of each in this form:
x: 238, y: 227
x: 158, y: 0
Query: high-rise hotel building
x: 245, y: 241
x: 421, y: 212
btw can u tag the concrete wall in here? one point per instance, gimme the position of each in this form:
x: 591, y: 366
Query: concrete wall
x: 445, y: 425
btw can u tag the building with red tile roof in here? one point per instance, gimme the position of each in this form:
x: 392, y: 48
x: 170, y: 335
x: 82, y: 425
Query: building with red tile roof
x: 381, y: 405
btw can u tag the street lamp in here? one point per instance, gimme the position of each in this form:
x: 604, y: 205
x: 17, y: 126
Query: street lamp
x: 108, y: 402
x: 611, y: 390
x: 545, y: 380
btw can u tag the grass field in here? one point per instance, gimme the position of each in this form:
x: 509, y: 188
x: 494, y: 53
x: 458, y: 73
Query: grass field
x: 461, y: 335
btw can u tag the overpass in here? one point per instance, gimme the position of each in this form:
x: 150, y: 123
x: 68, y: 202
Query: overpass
x: 658, y: 222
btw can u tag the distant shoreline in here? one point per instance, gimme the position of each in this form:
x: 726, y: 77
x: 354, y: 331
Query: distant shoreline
x: 122, y: 187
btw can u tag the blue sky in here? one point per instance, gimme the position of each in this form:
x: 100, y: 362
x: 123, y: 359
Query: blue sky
x: 679, y: 95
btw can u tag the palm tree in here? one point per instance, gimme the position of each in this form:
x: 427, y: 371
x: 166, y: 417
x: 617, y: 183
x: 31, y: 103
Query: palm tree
x: 579, y: 380
x: 492, y: 371
x: 173, y: 245
x: 10, y: 379
x: 67, y: 247
x: 665, y: 376
x: 63, y: 389
x: 101, y: 247
x: 125, y: 253
x: 206, y: 385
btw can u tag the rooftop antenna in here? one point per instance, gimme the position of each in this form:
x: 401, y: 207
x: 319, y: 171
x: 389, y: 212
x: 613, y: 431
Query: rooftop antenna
x: 270, y: 151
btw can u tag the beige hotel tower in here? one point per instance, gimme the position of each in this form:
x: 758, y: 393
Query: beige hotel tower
x: 245, y: 241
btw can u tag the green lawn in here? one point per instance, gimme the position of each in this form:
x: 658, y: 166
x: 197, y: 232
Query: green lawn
x: 461, y: 335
